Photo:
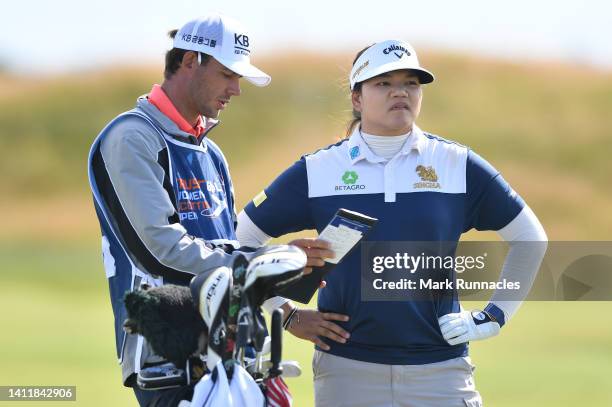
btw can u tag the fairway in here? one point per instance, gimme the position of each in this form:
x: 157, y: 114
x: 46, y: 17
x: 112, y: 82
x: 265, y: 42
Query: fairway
x: 57, y: 330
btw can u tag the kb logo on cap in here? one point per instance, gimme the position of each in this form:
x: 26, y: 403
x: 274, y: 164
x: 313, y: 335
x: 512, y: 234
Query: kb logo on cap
x: 241, y: 39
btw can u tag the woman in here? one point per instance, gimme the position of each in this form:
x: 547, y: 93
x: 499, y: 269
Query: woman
x: 421, y: 187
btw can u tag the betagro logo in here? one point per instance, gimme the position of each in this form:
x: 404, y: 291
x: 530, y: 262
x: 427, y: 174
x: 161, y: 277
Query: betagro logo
x: 349, y: 178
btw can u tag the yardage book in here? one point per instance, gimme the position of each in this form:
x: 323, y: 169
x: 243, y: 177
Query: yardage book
x: 344, y: 231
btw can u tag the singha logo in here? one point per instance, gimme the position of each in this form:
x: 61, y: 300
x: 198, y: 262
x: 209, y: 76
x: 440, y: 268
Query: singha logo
x: 429, y: 178
x: 427, y: 173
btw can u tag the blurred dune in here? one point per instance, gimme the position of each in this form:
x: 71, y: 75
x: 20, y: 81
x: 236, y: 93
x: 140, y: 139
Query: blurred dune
x: 546, y: 127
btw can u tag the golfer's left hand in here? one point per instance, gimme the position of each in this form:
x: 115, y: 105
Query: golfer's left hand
x: 316, y: 250
x: 313, y: 325
x: 467, y: 326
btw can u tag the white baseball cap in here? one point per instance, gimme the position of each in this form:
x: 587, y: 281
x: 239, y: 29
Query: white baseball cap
x: 226, y: 40
x: 387, y: 56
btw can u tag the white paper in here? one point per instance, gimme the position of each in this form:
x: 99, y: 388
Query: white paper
x: 342, y: 240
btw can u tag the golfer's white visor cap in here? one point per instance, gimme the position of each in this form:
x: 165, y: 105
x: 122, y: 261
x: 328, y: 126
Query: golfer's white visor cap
x: 387, y: 56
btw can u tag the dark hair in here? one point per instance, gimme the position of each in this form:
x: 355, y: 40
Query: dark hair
x: 356, y: 115
x: 174, y: 57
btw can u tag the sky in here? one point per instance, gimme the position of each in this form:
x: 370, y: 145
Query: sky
x: 66, y: 35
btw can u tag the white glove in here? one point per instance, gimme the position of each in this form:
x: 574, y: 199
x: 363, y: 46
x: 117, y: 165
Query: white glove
x: 467, y: 326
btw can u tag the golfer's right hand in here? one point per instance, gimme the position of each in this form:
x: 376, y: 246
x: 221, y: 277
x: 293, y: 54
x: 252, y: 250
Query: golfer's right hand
x: 312, y: 325
x: 316, y: 250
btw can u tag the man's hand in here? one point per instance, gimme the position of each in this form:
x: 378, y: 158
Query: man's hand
x: 467, y: 326
x: 316, y: 250
x: 311, y: 325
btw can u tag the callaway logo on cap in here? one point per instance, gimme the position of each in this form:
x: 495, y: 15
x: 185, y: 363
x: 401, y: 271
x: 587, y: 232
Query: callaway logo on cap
x: 385, y: 57
x: 224, y: 39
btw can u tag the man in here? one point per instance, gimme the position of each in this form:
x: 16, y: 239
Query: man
x: 162, y: 189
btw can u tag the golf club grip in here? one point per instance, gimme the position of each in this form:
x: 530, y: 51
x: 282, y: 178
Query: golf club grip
x: 276, y: 352
x: 236, y: 285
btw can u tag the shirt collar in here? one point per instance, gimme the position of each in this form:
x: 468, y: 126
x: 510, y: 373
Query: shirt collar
x: 359, y: 150
x: 160, y: 100
x: 416, y: 141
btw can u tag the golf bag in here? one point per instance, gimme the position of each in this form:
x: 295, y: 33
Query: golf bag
x: 214, y: 333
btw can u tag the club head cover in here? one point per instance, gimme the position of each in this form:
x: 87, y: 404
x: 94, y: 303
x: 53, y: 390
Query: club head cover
x: 271, y: 267
x: 167, y: 318
x: 212, y: 293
